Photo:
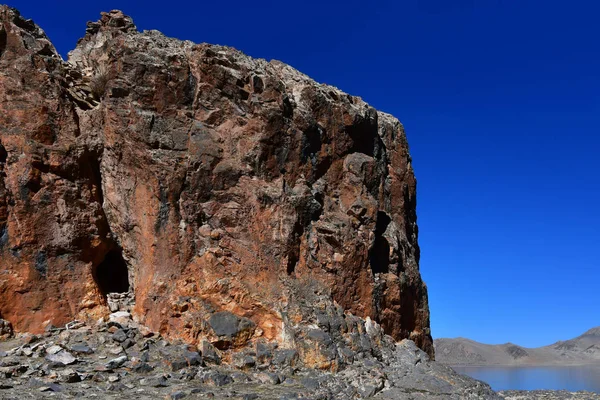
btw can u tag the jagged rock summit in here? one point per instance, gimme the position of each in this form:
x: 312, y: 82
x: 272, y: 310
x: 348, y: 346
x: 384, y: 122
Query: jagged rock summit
x: 224, y: 199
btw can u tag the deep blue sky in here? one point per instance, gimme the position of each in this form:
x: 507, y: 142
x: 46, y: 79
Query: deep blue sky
x: 501, y: 103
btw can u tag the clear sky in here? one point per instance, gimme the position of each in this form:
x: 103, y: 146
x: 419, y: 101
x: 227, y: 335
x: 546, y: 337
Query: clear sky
x: 501, y: 103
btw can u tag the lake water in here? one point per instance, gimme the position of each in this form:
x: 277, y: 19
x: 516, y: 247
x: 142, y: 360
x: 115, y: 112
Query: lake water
x: 530, y: 378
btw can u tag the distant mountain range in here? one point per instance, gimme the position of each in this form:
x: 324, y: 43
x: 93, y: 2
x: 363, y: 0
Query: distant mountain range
x: 584, y: 349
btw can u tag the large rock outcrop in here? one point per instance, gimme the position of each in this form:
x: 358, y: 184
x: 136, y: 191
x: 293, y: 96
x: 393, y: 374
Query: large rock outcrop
x: 216, y: 188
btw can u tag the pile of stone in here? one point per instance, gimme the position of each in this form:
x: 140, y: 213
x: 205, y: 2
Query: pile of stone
x: 119, y: 359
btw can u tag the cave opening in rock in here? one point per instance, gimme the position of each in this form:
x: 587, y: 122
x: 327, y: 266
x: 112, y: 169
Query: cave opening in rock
x: 111, y: 274
x: 3, y: 154
x: 379, y: 256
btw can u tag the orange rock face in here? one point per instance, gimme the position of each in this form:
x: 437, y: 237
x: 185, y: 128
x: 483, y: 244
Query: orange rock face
x: 201, y: 180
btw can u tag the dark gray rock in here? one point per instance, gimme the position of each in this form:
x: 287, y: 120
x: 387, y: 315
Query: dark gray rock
x: 193, y: 358
x: 310, y: 382
x: 52, y: 387
x: 81, y: 348
x: 142, y: 368
x: 179, y: 357
x: 285, y: 358
x: 177, y: 362
x: 224, y: 324
x: 209, y: 353
x: 215, y: 378
x: 227, y: 327
x: 119, y: 336
x: 240, y: 377
x: 264, y: 352
x: 243, y: 361
x: 116, y: 387
x: 269, y: 378
x: 178, y: 395
x: 155, y: 381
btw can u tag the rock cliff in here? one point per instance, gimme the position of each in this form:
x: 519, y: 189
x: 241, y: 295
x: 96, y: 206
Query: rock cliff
x: 219, y: 198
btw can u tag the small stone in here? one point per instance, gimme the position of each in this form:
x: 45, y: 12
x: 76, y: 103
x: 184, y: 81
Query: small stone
x: 240, y: 377
x: 123, y: 318
x: 119, y: 336
x: 113, y: 378
x: 176, y: 363
x: 268, y: 378
x: 53, y: 349
x: 156, y: 381
x: 285, y: 358
x: 217, y: 379
x: 209, y: 353
x: 116, y: 387
x: 264, y: 352
x: 310, y: 383
x: 192, y: 357
x: 142, y: 367
x: 63, y: 357
x: 243, y: 361
x: 113, y: 306
x: 74, y: 325
x: 53, y: 387
x: 178, y: 395
x: 81, y: 348
x: 116, y: 362
x: 69, y: 376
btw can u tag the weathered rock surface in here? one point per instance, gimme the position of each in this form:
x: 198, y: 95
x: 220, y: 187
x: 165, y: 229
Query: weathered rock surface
x: 154, y: 368
x: 210, y: 189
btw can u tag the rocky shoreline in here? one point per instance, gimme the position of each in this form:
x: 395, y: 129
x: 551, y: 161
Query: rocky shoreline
x: 547, y: 395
